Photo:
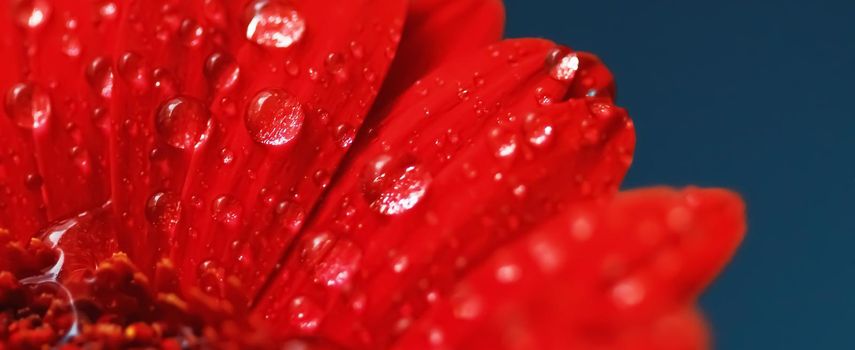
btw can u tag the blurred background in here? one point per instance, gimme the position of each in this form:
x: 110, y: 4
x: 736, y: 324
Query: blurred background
x: 753, y: 96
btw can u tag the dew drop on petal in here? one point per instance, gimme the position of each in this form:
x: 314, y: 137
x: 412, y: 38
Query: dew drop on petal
x: 183, y: 122
x: 563, y: 64
x: 504, y: 142
x: 274, y: 117
x: 99, y: 74
x: 274, y: 23
x: 28, y: 105
x: 290, y: 215
x: 227, y: 210
x: 304, y: 314
x: 133, y: 69
x: 340, y: 264
x: 344, y: 135
x: 191, y: 33
x: 163, y: 211
x: 31, y: 14
x: 393, y: 186
x: 539, y: 130
x: 222, y: 71
x: 628, y: 293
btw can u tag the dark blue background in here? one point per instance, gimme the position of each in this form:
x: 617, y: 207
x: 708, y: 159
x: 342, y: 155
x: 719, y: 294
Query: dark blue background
x: 754, y: 96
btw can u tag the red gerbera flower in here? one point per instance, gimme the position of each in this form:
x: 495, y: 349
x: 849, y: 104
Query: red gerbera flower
x: 355, y: 174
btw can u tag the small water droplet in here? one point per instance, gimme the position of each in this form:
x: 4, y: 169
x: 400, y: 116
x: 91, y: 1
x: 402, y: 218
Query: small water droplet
x: 183, y: 122
x: 106, y: 10
x: 305, y: 315
x: 31, y: 14
x: 340, y: 264
x: 508, y: 273
x: 163, y: 211
x: 227, y: 210
x: 133, y: 69
x: 99, y: 74
x: 628, y: 293
x: 505, y: 143
x: 28, y: 105
x: 335, y: 65
x: 539, y: 130
x: 274, y: 117
x: 71, y: 45
x: 191, y: 33
x: 393, y: 186
x: 222, y: 71
x: 290, y: 215
x: 344, y: 135
x: 274, y: 23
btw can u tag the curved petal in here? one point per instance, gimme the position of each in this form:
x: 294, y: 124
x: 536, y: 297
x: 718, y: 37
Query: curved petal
x: 436, y: 30
x: 618, y: 274
x: 467, y: 159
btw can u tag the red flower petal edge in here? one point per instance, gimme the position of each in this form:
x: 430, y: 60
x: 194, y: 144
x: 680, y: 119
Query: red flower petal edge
x: 245, y: 174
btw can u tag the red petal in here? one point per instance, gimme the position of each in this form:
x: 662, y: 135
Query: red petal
x: 47, y: 46
x: 232, y: 183
x: 466, y: 160
x: 437, y: 30
x: 616, y: 274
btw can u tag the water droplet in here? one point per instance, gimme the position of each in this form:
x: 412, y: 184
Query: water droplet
x: 274, y: 23
x: 335, y: 65
x: 227, y: 210
x: 31, y: 14
x: 339, y: 265
x: 226, y: 156
x: 28, y: 105
x: 133, y: 69
x: 106, y: 10
x: 628, y: 293
x: 99, y: 74
x: 290, y: 215
x: 274, y: 117
x: 505, y: 143
x: 563, y: 64
x: 183, y: 122
x: 539, y: 130
x: 191, y: 33
x: 71, y: 45
x: 508, y: 273
x: 163, y: 211
x: 305, y: 315
x: 344, y: 135
x: 222, y: 71
x: 393, y: 186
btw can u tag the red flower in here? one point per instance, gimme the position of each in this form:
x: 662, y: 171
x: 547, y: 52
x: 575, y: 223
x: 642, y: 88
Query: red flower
x: 330, y: 174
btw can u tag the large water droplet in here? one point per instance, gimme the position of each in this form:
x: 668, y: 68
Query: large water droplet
x: 274, y: 117
x: 31, y: 14
x: 28, y: 105
x: 163, y: 211
x: 183, y: 122
x: 393, y: 186
x: 274, y: 23
x: 222, y: 71
x: 340, y: 264
x: 227, y: 210
x: 99, y: 74
x: 563, y: 64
